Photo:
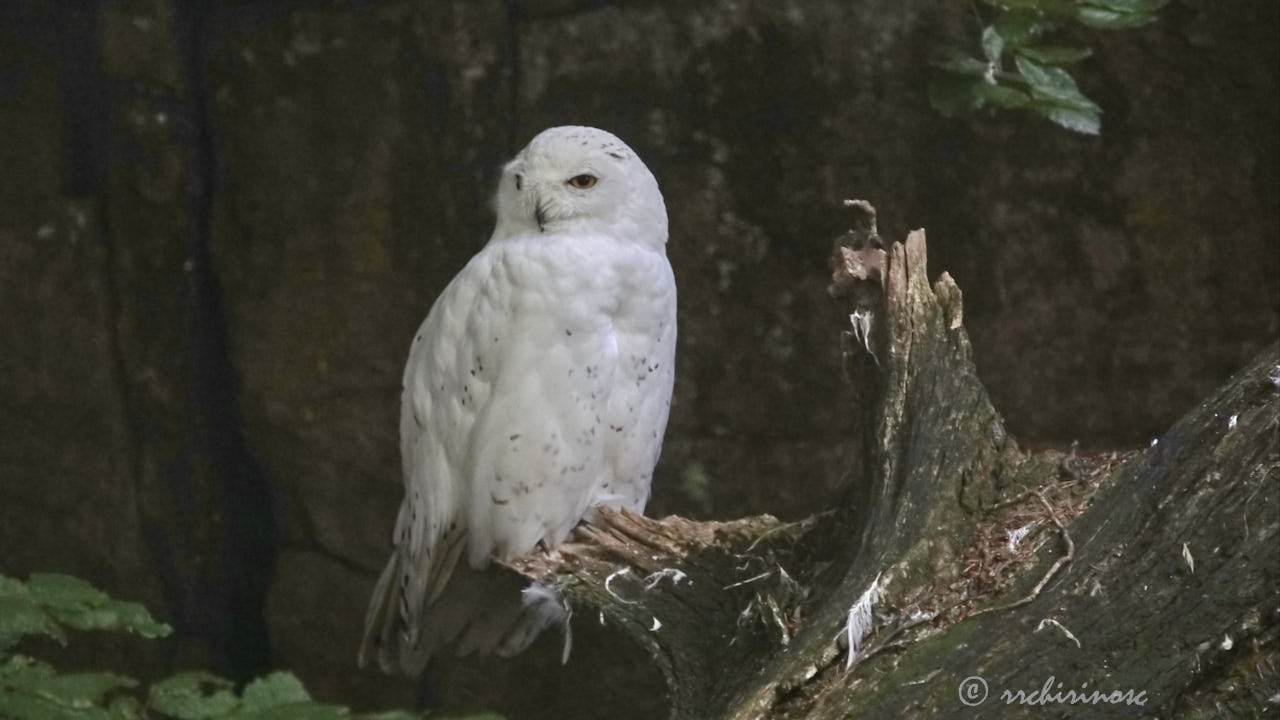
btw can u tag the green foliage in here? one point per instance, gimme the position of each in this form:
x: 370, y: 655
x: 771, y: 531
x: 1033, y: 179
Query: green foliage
x: 46, y: 605
x: 1038, y: 80
x: 47, y: 602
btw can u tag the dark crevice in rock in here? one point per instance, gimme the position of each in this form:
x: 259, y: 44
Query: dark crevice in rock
x: 243, y: 494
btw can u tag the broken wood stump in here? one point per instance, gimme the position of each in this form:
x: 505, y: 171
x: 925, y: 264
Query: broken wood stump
x: 959, y: 570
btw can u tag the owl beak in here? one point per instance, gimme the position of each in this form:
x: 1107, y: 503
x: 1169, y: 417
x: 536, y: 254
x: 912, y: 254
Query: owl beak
x: 540, y: 216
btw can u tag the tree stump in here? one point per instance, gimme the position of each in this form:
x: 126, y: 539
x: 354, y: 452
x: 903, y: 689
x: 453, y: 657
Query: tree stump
x: 959, y: 571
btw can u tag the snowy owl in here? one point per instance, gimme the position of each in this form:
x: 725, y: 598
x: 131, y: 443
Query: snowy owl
x: 537, y: 388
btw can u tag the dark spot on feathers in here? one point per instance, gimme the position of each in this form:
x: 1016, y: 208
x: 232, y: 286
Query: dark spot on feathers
x: 514, y: 437
x: 497, y: 501
x: 569, y: 332
x: 616, y: 155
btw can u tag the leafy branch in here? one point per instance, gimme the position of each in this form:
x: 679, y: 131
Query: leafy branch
x: 30, y: 689
x: 1038, y: 81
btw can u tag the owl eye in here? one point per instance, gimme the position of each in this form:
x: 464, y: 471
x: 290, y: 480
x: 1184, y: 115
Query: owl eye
x: 583, y: 181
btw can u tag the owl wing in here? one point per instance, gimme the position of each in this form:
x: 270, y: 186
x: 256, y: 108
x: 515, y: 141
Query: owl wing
x: 502, y: 439
x: 438, y: 407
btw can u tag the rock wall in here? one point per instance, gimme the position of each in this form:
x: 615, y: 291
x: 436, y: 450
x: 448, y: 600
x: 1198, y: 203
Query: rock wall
x: 220, y: 225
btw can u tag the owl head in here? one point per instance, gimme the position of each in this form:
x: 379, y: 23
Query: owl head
x: 577, y: 180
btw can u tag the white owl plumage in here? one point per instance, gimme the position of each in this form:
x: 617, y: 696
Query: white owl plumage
x: 537, y: 388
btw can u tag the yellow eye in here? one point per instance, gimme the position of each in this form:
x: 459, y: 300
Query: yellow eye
x: 583, y: 181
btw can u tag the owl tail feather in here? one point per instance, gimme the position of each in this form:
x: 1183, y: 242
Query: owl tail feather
x: 481, y: 612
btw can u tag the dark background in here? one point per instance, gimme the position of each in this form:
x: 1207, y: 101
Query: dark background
x: 221, y: 222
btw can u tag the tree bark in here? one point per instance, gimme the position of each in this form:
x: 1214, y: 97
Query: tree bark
x: 968, y: 574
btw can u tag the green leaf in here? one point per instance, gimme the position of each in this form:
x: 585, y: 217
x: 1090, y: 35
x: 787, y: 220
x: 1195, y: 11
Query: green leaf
x: 135, y: 617
x: 1019, y: 27
x: 1017, y: 4
x: 1054, y: 85
x: 32, y: 689
x: 1044, y: 77
x: 1054, y: 54
x: 295, y: 711
x: 1072, y: 99
x: 960, y: 64
x: 19, y: 669
x: 1145, y: 7
x: 953, y: 95
x: 10, y: 587
x: 77, y: 604
x: 1104, y: 19
x: 64, y: 591
x: 193, y: 696
x: 1088, y: 122
x: 1003, y: 95
x: 21, y: 616
x: 1052, y: 7
x: 992, y: 45
x: 78, y: 689
x: 18, y: 706
x: 125, y: 707
x: 278, y: 688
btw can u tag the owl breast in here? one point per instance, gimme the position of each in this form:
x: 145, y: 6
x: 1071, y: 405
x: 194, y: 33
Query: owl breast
x: 582, y: 393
